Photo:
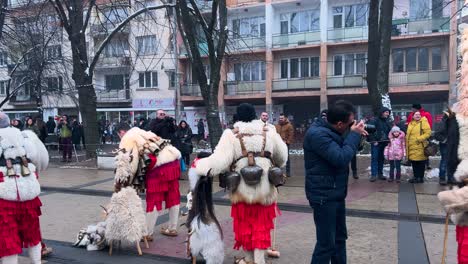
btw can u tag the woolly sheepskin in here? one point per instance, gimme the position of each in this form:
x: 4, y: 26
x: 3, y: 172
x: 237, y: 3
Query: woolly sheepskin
x: 229, y: 149
x: 123, y: 165
x: 462, y: 168
x: 24, y: 188
x: 11, y: 142
x: 126, y: 218
x: 35, y: 150
x: 206, y: 241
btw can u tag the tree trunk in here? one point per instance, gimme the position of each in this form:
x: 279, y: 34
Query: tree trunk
x: 386, y: 14
x: 373, y: 53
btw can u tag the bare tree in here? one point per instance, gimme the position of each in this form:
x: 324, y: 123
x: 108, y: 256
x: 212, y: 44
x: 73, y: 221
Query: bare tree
x: 75, y: 18
x: 215, y: 34
x: 380, y: 30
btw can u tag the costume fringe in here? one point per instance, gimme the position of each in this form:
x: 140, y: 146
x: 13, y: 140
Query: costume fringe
x: 252, y: 225
x: 162, y: 184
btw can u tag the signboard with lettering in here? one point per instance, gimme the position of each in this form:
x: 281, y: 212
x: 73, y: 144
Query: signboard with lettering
x: 164, y: 103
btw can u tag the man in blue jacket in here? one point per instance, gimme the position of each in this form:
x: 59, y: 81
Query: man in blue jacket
x: 327, y: 154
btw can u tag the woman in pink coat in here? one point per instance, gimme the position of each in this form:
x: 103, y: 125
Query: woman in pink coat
x: 395, y: 152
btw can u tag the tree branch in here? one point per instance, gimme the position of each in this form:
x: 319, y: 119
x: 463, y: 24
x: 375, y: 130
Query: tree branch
x: 88, y: 14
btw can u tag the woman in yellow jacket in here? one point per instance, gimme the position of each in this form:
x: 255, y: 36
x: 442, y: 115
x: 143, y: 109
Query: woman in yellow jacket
x: 417, y: 135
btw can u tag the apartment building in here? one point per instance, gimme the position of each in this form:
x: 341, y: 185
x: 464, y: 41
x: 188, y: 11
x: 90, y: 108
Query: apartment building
x: 135, y: 75
x: 296, y: 56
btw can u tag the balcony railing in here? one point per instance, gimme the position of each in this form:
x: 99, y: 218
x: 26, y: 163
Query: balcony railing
x: 22, y: 100
x: 425, y: 26
x: 190, y: 90
x: 109, y: 96
x: 106, y: 28
x: 249, y: 43
x: 204, y: 5
x: 425, y: 77
x: 244, y: 87
x: 114, y: 62
x: 296, y: 84
x: 202, y: 48
x: 296, y: 39
x: 238, y: 3
x: 346, y: 81
x: 347, y: 34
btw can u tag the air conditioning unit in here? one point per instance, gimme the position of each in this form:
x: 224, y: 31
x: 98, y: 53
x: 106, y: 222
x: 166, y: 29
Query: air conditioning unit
x: 301, y: 42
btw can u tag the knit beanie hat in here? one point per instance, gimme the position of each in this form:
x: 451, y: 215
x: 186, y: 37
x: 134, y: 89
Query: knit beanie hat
x: 4, y: 120
x: 395, y: 129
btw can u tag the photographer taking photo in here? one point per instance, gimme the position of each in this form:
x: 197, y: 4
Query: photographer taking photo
x: 327, y: 154
x: 163, y: 126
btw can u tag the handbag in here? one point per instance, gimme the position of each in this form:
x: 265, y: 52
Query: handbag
x: 431, y: 148
x: 183, y: 167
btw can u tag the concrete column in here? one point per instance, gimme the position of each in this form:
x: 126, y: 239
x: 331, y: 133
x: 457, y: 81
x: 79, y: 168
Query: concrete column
x: 223, y: 73
x: 269, y: 14
x: 323, y: 20
x: 269, y: 79
x: 323, y: 76
x: 453, y: 51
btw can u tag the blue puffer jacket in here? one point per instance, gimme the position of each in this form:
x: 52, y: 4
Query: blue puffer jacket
x: 326, y: 157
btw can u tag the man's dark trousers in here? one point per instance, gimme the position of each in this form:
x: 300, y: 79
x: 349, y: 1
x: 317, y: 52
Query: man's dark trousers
x: 330, y: 226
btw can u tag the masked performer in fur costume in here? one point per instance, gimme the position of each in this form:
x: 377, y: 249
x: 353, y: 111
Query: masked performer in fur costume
x: 249, y: 156
x: 23, y: 155
x: 145, y: 158
x: 455, y: 201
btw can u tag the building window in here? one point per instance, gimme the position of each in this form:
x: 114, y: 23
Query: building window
x: 294, y: 68
x: 350, y: 64
x: 305, y: 67
x: 423, y: 59
x: 116, y: 48
x: 54, y: 83
x: 250, y: 71
x: 3, y: 58
x: 303, y: 21
x: 398, y: 60
x: 284, y: 69
x: 411, y: 55
x: 350, y: 16
x: 284, y: 24
x: 115, y: 15
x: 3, y: 88
x: 116, y: 82
x: 146, y: 45
x: 148, y: 79
x: 314, y: 66
x: 249, y: 27
x: 436, y: 54
x: 420, y: 9
x: 54, y: 52
x: 172, y: 79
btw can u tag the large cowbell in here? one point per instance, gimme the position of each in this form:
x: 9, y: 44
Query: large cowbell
x: 252, y: 174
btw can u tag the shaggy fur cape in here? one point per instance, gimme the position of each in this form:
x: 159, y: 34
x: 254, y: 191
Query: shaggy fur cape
x: 229, y: 150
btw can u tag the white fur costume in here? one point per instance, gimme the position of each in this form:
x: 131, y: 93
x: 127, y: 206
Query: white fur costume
x: 261, y: 195
x: 19, y: 193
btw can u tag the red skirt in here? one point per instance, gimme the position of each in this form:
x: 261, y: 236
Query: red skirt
x: 19, y: 226
x: 253, y: 224
x: 462, y: 239
x: 162, y: 185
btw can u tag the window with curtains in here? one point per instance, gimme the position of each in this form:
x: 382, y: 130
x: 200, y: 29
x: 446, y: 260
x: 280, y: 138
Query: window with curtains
x: 146, y: 45
x: 249, y: 27
x: 148, y: 79
x: 420, y: 9
x: 416, y: 59
x: 350, y: 16
x: 54, y: 52
x: 349, y: 64
x: 115, y: 15
x: 299, y: 67
x: 302, y: 21
x: 250, y: 71
x: 116, y: 48
x: 54, y: 83
x: 3, y: 58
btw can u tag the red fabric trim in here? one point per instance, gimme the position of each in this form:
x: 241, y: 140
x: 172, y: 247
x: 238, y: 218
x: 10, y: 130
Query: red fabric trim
x: 252, y: 225
x: 19, y: 226
x: 462, y: 239
x: 194, y: 163
x: 162, y: 185
x: 2, y: 179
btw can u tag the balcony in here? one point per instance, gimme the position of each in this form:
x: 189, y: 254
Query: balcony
x: 347, y: 34
x: 250, y: 43
x: 296, y: 84
x: 22, y: 100
x: 346, y: 81
x: 415, y: 78
x: 114, y: 63
x: 244, y: 87
x: 241, y: 3
x: 426, y: 26
x: 190, y: 90
x: 204, y: 5
x: 296, y: 39
x: 202, y: 48
x: 113, y: 96
x: 106, y: 28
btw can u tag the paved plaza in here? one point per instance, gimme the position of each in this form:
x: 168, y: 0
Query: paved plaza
x: 387, y: 222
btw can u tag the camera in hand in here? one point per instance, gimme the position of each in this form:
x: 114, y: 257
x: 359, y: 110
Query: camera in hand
x: 370, y: 128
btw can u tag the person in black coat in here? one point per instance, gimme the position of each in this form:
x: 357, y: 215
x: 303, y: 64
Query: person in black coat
x: 51, y: 125
x: 327, y: 154
x: 163, y: 126
x: 201, y: 129
x: 379, y: 140
x: 184, y: 141
x: 76, y: 133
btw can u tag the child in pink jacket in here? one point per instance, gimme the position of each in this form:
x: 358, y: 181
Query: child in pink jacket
x: 395, y: 152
